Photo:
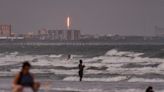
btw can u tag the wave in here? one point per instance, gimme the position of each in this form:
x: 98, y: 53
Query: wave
x: 41, y: 62
x: 146, y: 80
x: 55, y: 56
x: 110, y: 79
x: 65, y: 72
x: 121, y: 63
x: 68, y: 89
x: 115, y: 52
x: 14, y: 53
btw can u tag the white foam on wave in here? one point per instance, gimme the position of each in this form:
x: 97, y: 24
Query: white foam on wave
x: 161, y: 66
x: 74, y: 89
x: 132, y: 71
x: 77, y: 56
x: 14, y: 53
x: 116, y: 59
x: 55, y: 56
x: 42, y: 62
x: 129, y: 90
x: 66, y: 72
x: 110, y: 79
x: 42, y: 71
x: 114, y: 56
x: 15, y: 57
x: 74, y: 71
x: 113, y: 59
x: 135, y: 90
x: 64, y: 63
x: 94, y: 64
x: 145, y: 80
x: 115, y: 52
x: 12, y: 59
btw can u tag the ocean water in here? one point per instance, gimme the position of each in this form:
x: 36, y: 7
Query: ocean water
x: 114, y: 63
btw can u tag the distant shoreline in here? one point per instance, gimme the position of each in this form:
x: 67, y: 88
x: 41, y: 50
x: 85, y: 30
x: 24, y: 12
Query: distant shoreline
x: 77, y: 43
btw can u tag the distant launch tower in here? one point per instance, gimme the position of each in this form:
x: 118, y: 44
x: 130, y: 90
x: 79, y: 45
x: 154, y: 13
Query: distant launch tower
x: 64, y: 34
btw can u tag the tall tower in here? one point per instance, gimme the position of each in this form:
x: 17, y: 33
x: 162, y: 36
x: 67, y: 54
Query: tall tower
x: 68, y: 34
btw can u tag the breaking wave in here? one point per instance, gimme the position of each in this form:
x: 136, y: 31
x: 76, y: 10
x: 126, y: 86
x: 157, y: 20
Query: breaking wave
x: 115, y: 64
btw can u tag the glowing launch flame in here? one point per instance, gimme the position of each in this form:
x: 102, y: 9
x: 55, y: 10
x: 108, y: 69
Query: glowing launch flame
x: 68, y: 22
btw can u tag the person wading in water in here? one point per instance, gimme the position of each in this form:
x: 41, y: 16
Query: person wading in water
x: 149, y: 89
x: 25, y: 79
x: 81, y: 68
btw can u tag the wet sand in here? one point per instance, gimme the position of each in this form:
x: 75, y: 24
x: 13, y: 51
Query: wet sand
x: 75, y: 86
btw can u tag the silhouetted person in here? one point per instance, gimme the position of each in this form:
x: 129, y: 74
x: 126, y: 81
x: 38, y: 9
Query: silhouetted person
x: 81, y: 68
x: 69, y: 57
x: 25, y: 79
x: 149, y: 89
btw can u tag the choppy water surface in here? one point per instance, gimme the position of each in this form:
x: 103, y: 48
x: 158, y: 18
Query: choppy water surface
x: 133, y: 63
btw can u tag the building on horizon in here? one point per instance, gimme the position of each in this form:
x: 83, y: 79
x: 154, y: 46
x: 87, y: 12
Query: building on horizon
x: 42, y: 34
x: 5, y: 30
x: 56, y: 35
x: 73, y: 34
x: 63, y: 34
x: 60, y: 34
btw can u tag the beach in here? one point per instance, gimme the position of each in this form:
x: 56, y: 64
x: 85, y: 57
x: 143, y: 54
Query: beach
x: 85, y: 86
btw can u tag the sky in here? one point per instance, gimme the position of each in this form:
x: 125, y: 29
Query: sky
x: 123, y: 17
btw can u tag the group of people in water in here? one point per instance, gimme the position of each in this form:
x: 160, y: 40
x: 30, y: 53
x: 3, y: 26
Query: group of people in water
x: 26, y: 79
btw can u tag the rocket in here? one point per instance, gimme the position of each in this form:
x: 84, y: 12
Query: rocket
x: 68, y: 22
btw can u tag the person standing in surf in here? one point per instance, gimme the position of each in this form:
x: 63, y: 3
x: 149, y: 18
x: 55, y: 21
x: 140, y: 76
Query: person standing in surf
x: 69, y: 57
x: 24, y: 79
x: 81, y: 68
x: 149, y: 89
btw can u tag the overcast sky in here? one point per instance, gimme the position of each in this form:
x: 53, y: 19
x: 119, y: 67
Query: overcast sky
x: 124, y: 17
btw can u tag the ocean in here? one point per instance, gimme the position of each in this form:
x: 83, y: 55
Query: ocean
x: 104, y: 64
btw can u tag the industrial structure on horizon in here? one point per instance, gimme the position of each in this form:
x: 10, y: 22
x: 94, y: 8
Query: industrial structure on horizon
x: 70, y: 34
x: 59, y: 34
x: 43, y: 34
x: 62, y: 34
